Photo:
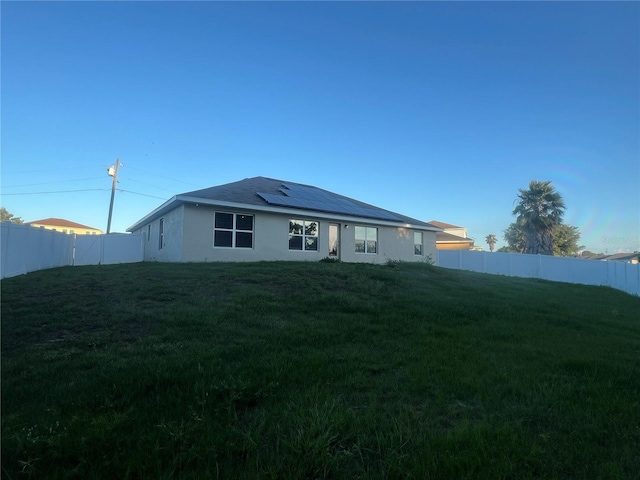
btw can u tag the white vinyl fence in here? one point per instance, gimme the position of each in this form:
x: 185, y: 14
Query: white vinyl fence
x: 27, y: 249
x: 620, y: 275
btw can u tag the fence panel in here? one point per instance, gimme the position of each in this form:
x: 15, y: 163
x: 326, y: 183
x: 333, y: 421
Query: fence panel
x: 88, y: 250
x: 623, y: 276
x: 35, y: 243
x: 122, y: 248
x: 497, y: 264
x: 14, y: 248
x: 27, y: 249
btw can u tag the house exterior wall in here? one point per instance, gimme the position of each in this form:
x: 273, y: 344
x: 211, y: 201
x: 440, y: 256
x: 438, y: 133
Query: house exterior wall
x: 171, y: 250
x: 458, y: 231
x: 454, y: 246
x: 271, y: 239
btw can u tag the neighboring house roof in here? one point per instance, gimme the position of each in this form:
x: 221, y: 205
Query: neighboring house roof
x: 443, y: 237
x: 622, y: 257
x: 60, y: 222
x: 269, y: 194
x: 442, y: 224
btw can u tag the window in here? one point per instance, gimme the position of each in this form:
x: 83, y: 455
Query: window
x: 148, y: 232
x: 366, y: 239
x: 303, y: 235
x: 233, y: 230
x: 161, y: 234
x: 417, y: 243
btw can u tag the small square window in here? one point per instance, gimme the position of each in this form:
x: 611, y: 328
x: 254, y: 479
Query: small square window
x: 222, y: 238
x: 244, y: 222
x: 311, y: 243
x: 366, y: 239
x: 233, y: 230
x: 295, y: 242
x: 303, y: 235
x: 224, y: 220
x: 244, y: 240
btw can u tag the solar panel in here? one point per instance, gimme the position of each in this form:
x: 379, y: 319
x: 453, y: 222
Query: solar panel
x: 309, y: 198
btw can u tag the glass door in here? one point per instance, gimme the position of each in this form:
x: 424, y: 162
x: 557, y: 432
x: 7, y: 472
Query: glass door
x: 334, y: 240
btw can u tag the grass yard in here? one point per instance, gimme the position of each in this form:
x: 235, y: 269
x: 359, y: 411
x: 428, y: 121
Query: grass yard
x: 281, y: 370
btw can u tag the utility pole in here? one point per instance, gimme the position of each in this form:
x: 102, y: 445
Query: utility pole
x: 112, y: 172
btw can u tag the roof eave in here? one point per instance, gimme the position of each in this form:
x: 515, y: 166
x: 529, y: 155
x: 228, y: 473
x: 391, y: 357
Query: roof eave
x: 177, y: 200
x: 149, y: 217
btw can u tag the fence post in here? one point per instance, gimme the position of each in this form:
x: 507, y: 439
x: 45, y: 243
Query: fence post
x: 539, y: 272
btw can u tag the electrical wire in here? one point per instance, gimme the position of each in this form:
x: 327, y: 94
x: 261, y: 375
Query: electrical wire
x: 49, y: 183
x: 48, y: 169
x: 144, y: 183
x: 137, y: 193
x: 58, y: 191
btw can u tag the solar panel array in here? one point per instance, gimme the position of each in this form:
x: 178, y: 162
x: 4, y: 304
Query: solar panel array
x: 309, y: 198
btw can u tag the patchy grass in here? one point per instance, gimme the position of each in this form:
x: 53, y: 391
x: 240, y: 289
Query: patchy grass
x: 316, y: 370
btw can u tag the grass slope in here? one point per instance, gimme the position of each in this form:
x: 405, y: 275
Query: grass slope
x: 316, y: 370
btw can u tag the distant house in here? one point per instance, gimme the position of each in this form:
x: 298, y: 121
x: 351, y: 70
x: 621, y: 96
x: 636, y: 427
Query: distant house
x: 616, y: 257
x: 262, y: 218
x: 65, y: 226
x: 452, y: 237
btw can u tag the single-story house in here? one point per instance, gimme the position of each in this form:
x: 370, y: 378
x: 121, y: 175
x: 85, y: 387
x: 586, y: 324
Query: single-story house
x: 452, y: 237
x: 65, y: 226
x: 618, y: 257
x: 262, y: 218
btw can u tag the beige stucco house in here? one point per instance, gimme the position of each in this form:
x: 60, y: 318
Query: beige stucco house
x: 267, y: 219
x: 65, y: 226
x: 452, y: 237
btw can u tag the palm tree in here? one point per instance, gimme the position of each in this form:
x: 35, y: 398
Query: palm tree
x: 491, y: 240
x: 539, y: 210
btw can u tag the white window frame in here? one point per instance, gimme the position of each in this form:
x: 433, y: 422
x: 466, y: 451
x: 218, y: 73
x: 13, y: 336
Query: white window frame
x: 234, y: 231
x: 367, y: 238
x: 304, y: 236
x: 420, y: 236
x: 161, y: 234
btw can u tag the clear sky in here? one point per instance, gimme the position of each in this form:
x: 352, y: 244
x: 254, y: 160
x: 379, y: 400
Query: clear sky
x: 436, y: 110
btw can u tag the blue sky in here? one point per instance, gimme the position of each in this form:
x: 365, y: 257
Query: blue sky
x: 437, y: 110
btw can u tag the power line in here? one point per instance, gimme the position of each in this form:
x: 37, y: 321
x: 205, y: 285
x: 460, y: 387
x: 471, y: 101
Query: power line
x: 58, y: 191
x: 145, y: 183
x: 49, y: 183
x: 48, y: 169
x: 83, y: 190
x: 142, y: 194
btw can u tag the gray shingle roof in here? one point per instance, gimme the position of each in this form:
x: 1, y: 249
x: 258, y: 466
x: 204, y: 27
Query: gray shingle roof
x: 247, y: 192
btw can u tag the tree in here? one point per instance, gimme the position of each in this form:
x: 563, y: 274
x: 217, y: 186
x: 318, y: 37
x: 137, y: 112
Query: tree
x: 539, y: 210
x: 515, y: 237
x: 6, y: 216
x: 504, y: 249
x: 565, y: 240
x: 491, y: 240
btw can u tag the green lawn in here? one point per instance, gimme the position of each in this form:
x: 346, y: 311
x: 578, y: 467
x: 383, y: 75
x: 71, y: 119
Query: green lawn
x: 316, y: 370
